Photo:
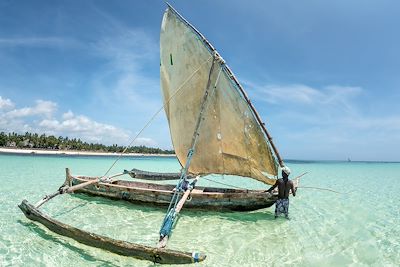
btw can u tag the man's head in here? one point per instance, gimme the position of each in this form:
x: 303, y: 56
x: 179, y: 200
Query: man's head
x: 285, y: 172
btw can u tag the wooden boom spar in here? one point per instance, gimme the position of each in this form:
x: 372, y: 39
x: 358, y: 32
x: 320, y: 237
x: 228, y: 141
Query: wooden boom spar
x: 260, y: 122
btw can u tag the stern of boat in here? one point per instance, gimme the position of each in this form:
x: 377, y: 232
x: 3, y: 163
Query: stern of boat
x: 68, y: 178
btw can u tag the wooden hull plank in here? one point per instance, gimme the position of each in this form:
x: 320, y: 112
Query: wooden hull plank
x: 208, y: 198
x: 154, y: 176
x: 163, y: 256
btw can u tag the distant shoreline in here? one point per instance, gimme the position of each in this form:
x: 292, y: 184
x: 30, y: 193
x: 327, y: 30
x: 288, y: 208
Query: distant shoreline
x: 23, y: 151
x: 77, y: 153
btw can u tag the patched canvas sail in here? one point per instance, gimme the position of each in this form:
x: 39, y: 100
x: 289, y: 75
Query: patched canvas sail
x: 230, y: 139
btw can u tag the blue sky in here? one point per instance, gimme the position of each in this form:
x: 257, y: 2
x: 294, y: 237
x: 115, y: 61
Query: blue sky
x: 324, y: 75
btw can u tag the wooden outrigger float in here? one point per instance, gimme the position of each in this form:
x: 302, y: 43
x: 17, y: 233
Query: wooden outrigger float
x: 158, y: 255
x: 215, y: 129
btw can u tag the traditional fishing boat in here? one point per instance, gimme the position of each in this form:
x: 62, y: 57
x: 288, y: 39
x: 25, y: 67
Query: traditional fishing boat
x: 215, y: 129
x: 202, y: 198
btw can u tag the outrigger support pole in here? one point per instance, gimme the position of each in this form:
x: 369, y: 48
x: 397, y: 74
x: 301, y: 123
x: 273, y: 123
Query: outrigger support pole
x: 177, y: 200
x: 169, y: 220
x: 68, y: 189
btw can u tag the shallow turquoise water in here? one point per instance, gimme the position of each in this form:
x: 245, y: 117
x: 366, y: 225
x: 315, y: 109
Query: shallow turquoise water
x: 359, y: 228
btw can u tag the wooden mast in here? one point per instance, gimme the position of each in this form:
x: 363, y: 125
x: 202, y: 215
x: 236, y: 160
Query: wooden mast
x: 173, y: 211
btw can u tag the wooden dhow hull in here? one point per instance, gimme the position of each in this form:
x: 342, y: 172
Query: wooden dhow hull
x: 158, y: 255
x: 204, y: 198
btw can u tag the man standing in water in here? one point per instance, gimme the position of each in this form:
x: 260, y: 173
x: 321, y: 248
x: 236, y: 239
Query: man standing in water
x: 284, y: 186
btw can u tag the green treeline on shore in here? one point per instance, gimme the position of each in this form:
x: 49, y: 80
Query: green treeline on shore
x: 33, y: 140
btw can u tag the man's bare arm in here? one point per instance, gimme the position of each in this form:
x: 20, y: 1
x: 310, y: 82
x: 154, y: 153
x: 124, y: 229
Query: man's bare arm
x: 272, y: 187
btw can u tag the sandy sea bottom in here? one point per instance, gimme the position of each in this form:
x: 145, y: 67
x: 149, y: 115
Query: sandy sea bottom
x: 360, y: 227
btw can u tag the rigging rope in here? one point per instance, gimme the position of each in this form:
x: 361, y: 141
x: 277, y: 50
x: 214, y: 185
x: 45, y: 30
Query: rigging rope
x: 155, y: 114
x: 237, y: 187
x: 320, y: 188
x: 296, y: 178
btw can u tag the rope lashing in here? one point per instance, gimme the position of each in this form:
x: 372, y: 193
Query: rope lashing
x: 169, y: 219
x: 218, y: 58
x: 320, y: 188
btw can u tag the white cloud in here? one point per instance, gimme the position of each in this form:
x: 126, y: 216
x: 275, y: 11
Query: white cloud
x: 68, y: 115
x: 85, y: 128
x: 42, y: 108
x: 303, y: 94
x: 6, y: 103
x: 125, y: 47
x: 144, y: 141
x: 71, y: 125
x: 122, y: 79
x: 291, y: 93
x: 39, y: 41
x: 329, y: 122
x: 120, y: 84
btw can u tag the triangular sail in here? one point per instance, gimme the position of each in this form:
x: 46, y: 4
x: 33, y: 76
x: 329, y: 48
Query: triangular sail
x: 231, y: 140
